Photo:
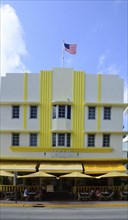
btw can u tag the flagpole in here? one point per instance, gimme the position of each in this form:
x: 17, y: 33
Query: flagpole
x: 63, y: 54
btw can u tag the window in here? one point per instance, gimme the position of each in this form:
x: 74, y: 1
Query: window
x: 33, y: 111
x: 106, y: 140
x: 68, y: 140
x: 15, y: 139
x: 91, y: 140
x: 61, y: 111
x: 54, y: 111
x: 54, y: 140
x: 68, y: 111
x: 91, y: 112
x: 33, y: 140
x: 61, y: 139
x: 107, y: 113
x: 15, y: 111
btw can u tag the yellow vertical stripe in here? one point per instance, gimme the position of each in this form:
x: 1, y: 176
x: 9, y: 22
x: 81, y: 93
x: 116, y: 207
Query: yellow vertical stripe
x: 78, y: 109
x: 45, y: 108
x: 25, y: 99
x: 98, y: 100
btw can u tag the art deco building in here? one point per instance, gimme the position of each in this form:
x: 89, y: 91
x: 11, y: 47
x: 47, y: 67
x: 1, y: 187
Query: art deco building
x: 61, y: 121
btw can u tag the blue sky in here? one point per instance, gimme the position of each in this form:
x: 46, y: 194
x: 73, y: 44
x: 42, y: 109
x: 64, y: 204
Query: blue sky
x: 34, y: 31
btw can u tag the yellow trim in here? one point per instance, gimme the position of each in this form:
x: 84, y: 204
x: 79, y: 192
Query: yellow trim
x: 123, y: 160
x: 61, y: 103
x: 78, y: 109
x: 123, y: 105
x: 61, y: 131
x: 99, y: 88
x: 19, y: 131
x: 45, y: 108
x: 25, y: 99
x: 99, y: 100
x: 58, y: 149
x: 20, y: 103
x: 106, y: 132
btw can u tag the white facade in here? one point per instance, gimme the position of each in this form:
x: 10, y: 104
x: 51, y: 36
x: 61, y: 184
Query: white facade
x: 65, y: 87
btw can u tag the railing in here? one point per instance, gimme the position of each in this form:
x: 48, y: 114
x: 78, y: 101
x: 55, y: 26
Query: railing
x: 12, y: 188
x: 75, y: 189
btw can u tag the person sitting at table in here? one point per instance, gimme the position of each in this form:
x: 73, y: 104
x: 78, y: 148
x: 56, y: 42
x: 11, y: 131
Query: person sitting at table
x: 39, y: 194
x: 98, y: 194
x: 26, y: 196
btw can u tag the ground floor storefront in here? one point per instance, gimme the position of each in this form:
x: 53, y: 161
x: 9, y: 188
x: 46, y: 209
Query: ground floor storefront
x: 62, y: 188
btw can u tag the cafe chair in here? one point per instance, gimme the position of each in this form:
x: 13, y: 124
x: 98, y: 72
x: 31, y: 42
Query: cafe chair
x: 123, y: 196
x: 84, y: 196
x: 111, y: 196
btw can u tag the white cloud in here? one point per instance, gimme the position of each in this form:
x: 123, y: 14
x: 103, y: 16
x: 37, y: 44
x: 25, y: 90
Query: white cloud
x: 13, y: 47
x: 105, y: 67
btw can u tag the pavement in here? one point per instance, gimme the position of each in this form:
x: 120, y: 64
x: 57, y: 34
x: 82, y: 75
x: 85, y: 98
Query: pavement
x: 62, y: 204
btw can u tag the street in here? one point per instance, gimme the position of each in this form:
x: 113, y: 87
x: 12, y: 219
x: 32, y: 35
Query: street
x: 85, y: 213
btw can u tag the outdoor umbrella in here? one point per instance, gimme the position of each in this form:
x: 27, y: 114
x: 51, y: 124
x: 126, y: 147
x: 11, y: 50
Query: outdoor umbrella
x: 5, y: 173
x: 76, y: 175
x: 37, y: 174
x: 113, y: 174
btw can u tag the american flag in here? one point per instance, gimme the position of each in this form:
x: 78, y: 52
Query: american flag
x: 70, y: 48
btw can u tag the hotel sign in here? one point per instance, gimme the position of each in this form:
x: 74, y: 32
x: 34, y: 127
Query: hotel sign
x: 61, y: 154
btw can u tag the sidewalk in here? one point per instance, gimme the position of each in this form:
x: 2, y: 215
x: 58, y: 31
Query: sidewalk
x: 62, y: 204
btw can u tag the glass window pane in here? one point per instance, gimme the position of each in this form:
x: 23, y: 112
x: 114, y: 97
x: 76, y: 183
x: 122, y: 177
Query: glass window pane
x: 91, y: 140
x: 107, y: 113
x: 106, y: 140
x: 54, y: 139
x: 33, y: 111
x: 54, y: 111
x: 61, y: 113
x: 15, y: 111
x: 33, y: 140
x: 15, y: 139
x: 61, y: 139
x: 91, y: 112
x: 68, y: 140
x: 68, y: 111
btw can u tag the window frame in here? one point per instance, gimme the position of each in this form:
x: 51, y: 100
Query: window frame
x: 33, y: 111
x: 107, y: 113
x: 15, y: 111
x: 61, y: 139
x: 106, y: 140
x: 15, y: 139
x: 33, y: 142
x: 91, y: 112
x: 91, y: 140
x: 61, y: 111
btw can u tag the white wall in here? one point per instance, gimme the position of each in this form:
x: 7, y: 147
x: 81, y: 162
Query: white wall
x: 33, y: 87
x: 62, y: 84
x: 111, y: 89
x: 12, y: 88
x: 90, y: 88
